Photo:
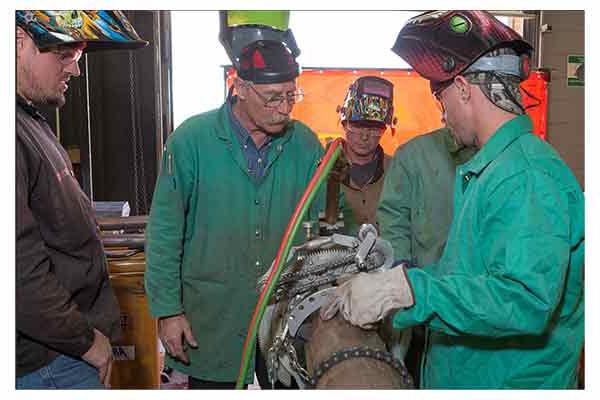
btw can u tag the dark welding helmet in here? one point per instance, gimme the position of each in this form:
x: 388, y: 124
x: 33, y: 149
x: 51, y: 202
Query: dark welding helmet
x: 440, y: 45
x: 238, y: 29
x: 370, y: 99
x: 100, y: 29
x: 267, y: 61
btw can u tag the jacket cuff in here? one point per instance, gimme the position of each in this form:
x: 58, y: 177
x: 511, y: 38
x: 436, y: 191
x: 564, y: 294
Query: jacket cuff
x: 86, y: 341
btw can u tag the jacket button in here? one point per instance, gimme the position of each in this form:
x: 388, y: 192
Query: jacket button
x: 257, y: 202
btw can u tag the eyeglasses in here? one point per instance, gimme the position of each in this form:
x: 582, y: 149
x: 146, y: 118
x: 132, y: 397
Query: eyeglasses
x: 370, y: 132
x: 67, y: 56
x: 276, y: 101
x: 443, y: 86
x: 437, y: 94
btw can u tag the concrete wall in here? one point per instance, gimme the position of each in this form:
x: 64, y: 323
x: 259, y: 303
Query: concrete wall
x: 566, y: 119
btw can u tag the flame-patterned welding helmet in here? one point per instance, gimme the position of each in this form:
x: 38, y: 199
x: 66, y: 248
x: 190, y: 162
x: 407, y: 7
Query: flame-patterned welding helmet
x: 369, y: 99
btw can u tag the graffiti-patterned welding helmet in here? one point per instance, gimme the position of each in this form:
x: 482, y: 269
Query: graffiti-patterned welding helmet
x: 369, y: 99
x: 440, y: 45
x: 100, y: 29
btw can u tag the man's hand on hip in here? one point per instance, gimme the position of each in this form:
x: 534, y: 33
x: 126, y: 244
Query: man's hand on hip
x: 368, y: 298
x: 174, y: 332
x: 100, y: 356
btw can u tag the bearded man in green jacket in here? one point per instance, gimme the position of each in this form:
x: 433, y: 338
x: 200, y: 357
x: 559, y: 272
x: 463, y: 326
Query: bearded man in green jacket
x: 229, y: 182
x: 504, y: 305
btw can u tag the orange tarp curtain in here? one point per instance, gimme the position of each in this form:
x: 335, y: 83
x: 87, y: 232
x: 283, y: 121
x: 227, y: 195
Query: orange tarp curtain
x: 414, y: 106
x: 325, y: 90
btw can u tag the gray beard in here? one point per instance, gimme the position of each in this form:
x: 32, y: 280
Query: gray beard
x: 271, y: 134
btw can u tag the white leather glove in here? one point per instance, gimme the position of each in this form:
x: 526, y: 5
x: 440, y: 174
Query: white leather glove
x: 368, y: 298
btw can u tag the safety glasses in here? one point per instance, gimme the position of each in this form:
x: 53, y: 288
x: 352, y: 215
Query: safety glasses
x: 437, y: 91
x: 67, y: 55
x: 370, y: 132
x: 276, y: 101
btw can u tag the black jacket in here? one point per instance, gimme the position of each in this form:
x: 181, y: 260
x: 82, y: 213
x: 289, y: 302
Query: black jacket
x: 62, y: 286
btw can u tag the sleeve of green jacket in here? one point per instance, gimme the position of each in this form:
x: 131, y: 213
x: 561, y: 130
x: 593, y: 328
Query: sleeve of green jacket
x: 393, y: 212
x: 166, y: 228
x: 524, y: 247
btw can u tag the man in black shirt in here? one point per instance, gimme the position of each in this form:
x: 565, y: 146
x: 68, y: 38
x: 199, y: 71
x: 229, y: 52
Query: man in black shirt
x: 66, y: 311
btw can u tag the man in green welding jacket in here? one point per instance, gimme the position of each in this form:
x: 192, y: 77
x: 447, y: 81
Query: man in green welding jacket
x: 229, y: 182
x: 504, y: 306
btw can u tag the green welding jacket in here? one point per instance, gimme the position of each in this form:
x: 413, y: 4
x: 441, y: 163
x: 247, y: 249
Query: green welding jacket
x: 415, y: 210
x: 212, y: 232
x: 504, y: 306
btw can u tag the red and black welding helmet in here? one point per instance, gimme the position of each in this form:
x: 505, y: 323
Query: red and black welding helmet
x: 267, y: 61
x: 440, y: 45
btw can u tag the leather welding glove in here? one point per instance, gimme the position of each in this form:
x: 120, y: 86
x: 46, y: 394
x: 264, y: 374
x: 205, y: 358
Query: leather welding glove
x: 369, y: 298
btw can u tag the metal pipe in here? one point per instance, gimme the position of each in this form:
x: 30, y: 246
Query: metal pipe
x: 134, y: 223
x: 540, y: 40
x: 158, y: 99
x: 89, y: 126
x: 337, y: 335
x: 130, y: 241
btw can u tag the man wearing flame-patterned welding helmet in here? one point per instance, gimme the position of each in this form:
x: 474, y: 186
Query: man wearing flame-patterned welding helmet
x: 365, y: 115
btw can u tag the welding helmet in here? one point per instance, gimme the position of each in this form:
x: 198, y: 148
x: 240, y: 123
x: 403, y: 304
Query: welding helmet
x: 370, y: 100
x: 100, y: 29
x: 239, y: 29
x: 267, y: 61
x: 441, y: 45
